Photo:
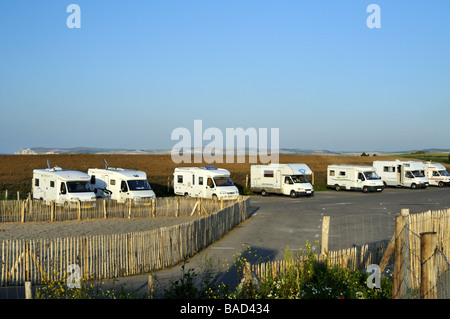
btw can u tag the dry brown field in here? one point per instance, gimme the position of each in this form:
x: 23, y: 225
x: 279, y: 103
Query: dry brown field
x: 16, y: 171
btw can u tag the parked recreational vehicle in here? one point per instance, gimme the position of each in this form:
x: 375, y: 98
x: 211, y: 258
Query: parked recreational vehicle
x: 437, y: 174
x: 286, y: 179
x: 205, y: 182
x: 351, y: 177
x: 402, y: 173
x: 120, y: 184
x: 61, y: 186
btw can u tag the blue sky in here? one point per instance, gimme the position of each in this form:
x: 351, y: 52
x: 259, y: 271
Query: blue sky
x: 137, y: 70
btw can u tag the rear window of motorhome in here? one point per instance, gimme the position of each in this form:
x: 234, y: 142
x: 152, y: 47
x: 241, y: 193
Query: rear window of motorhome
x: 200, y: 180
x: 36, y: 182
x: 93, y: 179
x: 268, y: 173
x: 180, y: 178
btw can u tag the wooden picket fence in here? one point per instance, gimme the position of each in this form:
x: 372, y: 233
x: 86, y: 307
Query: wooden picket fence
x: 111, y: 256
x: 38, y: 211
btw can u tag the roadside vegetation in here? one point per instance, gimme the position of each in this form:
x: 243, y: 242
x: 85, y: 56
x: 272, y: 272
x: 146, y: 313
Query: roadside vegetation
x: 306, y: 278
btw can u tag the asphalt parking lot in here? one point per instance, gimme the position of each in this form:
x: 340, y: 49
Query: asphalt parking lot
x: 278, y: 222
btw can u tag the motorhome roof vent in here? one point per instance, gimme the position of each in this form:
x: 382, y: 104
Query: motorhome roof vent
x: 210, y: 167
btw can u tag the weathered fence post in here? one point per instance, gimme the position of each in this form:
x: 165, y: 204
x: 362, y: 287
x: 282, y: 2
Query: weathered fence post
x: 153, y: 207
x: 22, y: 212
x: 104, y: 208
x: 129, y: 208
x: 177, y: 213
x: 52, y: 211
x: 399, y: 252
x: 151, y: 286
x: 324, y: 242
x: 79, y: 209
x: 428, y: 275
x: 28, y: 293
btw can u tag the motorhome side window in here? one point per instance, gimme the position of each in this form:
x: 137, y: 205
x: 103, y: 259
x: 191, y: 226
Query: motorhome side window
x: 200, y: 181
x: 180, y: 178
x: 361, y: 176
x: 331, y: 173
x: 389, y: 169
x: 209, y: 182
x: 52, y: 184
x: 112, y: 182
x: 63, y: 188
x: 268, y: 173
x: 36, y: 182
x: 342, y: 173
x: 123, y: 186
x: 93, y: 179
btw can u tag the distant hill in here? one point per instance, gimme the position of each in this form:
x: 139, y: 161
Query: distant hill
x: 283, y: 151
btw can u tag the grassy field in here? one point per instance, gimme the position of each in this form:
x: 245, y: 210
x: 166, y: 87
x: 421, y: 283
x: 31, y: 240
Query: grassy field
x: 16, y: 171
x: 432, y: 157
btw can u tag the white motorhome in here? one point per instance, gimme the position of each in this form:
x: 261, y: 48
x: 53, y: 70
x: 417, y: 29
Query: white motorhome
x: 437, y: 174
x: 402, y: 173
x: 61, y: 186
x: 120, y: 184
x: 204, y: 182
x: 286, y: 179
x: 350, y: 177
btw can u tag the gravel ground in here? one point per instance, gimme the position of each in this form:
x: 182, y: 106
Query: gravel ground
x: 37, y: 230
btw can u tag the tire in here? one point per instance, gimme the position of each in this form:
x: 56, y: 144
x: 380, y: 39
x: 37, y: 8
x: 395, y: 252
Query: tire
x: 441, y: 184
x: 337, y: 187
x: 365, y: 189
x: 263, y: 192
x: 293, y: 194
x: 413, y: 186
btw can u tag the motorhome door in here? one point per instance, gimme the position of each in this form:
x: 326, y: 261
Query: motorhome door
x: 400, y: 174
x: 278, y: 179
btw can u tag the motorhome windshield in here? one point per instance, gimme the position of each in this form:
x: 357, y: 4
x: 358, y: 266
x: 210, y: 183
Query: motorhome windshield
x: 371, y: 175
x: 299, y: 179
x: 139, y: 185
x: 78, y: 187
x: 444, y: 173
x: 223, y: 181
x: 417, y: 174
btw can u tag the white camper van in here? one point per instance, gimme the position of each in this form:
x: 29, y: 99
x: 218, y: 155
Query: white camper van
x: 62, y: 186
x: 120, y: 184
x: 204, y: 182
x: 437, y: 174
x: 402, y: 173
x: 351, y: 177
x: 286, y: 179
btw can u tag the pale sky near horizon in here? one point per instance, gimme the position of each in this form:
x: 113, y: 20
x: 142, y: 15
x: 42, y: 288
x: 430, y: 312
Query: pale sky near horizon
x: 137, y: 70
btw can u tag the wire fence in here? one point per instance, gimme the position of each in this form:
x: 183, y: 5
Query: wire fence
x: 399, y: 244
